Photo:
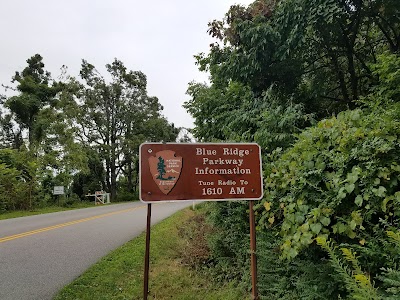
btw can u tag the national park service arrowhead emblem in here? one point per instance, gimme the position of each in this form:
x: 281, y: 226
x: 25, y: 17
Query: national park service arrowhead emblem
x: 165, y: 168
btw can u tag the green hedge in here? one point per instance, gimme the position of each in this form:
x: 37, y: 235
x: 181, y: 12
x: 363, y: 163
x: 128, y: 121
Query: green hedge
x: 339, y: 182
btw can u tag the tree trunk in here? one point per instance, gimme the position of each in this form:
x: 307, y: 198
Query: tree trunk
x: 108, y: 173
x: 113, y: 167
x: 113, y: 188
x: 129, y: 176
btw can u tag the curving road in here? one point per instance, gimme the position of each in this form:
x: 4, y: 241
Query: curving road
x: 41, y: 254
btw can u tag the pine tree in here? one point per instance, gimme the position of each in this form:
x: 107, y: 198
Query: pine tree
x: 161, y: 168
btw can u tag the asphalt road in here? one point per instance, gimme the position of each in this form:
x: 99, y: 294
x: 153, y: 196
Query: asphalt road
x: 41, y: 254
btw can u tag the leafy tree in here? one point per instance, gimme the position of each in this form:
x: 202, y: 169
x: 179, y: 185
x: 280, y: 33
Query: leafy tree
x: 388, y: 91
x: 185, y: 136
x: 116, y: 117
x: 236, y: 114
x: 317, y: 52
x: 276, y: 68
x: 10, y: 135
x: 90, y: 180
x: 37, y: 90
x: 33, y: 124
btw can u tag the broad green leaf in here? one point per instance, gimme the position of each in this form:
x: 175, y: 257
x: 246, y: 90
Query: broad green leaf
x: 359, y: 200
x: 349, y: 188
x: 271, y: 220
x: 306, y: 238
x: 352, y: 234
x: 267, y: 206
x: 381, y: 191
x: 300, y: 218
x: 293, y: 253
x: 341, y: 193
x: 316, y: 228
x: 325, y: 221
x: 341, y: 227
x: 353, y: 224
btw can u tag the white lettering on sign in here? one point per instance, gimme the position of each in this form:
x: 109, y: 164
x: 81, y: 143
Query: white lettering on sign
x: 235, y: 151
x: 228, y: 182
x: 173, y: 163
x: 205, y: 182
x: 212, y: 191
x: 237, y: 191
x: 225, y: 151
x: 227, y: 166
x: 221, y: 161
x: 234, y: 171
x: 204, y: 151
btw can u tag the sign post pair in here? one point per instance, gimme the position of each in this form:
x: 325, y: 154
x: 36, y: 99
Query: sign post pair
x: 205, y: 171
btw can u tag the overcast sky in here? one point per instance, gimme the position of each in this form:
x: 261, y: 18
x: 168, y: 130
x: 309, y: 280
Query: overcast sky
x: 156, y: 37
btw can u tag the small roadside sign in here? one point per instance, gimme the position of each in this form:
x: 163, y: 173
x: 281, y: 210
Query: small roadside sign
x: 58, y: 190
x: 203, y: 171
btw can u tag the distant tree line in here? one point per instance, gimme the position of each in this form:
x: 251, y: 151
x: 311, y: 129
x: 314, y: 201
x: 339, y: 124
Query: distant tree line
x: 81, y: 133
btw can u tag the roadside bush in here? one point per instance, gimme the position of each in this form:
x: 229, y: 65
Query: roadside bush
x: 124, y: 196
x: 387, y: 69
x: 70, y: 199
x: 307, y: 277
x: 8, y: 188
x: 230, y: 242
x: 13, y: 190
x: 228, y: 257
x: 339, y: 182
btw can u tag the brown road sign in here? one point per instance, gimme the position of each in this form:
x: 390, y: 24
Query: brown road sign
x: 170, y: 172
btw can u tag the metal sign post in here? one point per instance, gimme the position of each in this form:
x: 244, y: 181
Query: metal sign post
x: 147, y: 254
x: 203, y: 171
x: 253, y: 250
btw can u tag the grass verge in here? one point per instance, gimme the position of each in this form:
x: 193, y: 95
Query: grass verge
x: 46, y: 210
x: 119, y: 275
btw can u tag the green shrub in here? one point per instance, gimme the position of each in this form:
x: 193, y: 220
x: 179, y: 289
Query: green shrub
x: 306, y: 277
x: 124, y: 196
x: 339, y: 181
x: 14, y: 191
x: 70, y: 199
x: 387, y: 69
x: 229, y: 242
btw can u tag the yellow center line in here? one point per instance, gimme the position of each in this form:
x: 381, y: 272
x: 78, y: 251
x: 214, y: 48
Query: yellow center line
x: 28, y: 233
